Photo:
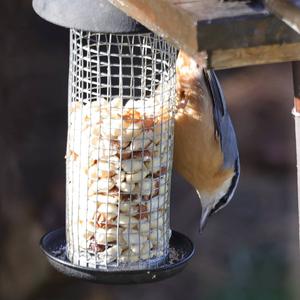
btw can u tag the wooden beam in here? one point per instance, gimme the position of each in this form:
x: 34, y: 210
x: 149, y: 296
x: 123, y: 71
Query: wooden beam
x: 261, y: 30
x: 164, y: 18
x: 231, y: 33
x: 231, y: 58
x: 288, y: 11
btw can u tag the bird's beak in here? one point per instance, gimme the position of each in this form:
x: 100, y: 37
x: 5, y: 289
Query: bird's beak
x: 204, y: 216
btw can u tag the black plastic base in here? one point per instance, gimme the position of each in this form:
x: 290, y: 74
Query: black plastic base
x: 53, y: 245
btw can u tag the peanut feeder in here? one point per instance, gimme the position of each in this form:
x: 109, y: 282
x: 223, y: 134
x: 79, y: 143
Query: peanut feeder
x: 119, y: 148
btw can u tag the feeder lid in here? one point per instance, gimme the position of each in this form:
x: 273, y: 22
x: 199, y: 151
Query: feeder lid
x: 90, y: 15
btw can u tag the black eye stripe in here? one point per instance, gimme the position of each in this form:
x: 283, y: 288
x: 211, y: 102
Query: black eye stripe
x: 226, y: 198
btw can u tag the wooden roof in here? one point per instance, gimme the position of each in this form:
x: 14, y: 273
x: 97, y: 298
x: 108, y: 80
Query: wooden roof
x: 229, y: 33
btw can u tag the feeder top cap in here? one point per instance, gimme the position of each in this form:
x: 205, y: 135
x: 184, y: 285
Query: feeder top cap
x: 89, y: 15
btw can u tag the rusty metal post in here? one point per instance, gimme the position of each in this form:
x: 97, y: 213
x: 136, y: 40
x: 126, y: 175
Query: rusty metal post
x: 296, y: 113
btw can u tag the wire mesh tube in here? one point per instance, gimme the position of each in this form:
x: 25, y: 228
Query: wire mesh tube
x: 119, y: 149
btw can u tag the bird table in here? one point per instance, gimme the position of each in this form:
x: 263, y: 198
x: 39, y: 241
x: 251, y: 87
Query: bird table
x: 229, y: 34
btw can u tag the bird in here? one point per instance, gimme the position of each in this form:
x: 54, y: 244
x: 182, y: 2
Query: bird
x: 205, y: 145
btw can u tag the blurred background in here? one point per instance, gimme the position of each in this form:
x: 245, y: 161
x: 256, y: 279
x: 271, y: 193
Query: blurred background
x: 248, y: 251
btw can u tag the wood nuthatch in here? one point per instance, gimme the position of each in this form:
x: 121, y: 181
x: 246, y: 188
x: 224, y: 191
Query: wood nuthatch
x: 206, y: 152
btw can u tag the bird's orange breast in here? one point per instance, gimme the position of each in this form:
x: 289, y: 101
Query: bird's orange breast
x: 197, y: 150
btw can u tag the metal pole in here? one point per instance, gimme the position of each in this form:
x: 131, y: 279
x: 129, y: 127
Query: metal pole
x: 296, y: 113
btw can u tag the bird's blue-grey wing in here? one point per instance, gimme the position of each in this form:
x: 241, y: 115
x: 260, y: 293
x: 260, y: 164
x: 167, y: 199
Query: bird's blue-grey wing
x: 225, y: 132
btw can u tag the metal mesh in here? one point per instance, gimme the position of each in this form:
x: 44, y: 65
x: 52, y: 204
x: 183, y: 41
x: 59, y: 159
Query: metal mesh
x: 119, y: 150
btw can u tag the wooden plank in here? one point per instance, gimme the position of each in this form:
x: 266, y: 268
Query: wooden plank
x: 164, y: 18
x: 234, y: 24
x: 244, y: 32
x: 228, y: 32
x: 287, y: 11
x: 215, y: 9
x: 224, y: 59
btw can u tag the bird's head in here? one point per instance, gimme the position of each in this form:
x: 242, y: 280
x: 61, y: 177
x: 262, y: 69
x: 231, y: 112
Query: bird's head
x: 219, y: 196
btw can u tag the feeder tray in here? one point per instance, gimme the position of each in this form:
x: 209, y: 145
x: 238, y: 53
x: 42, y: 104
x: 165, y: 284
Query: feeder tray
x: 53, y: 245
